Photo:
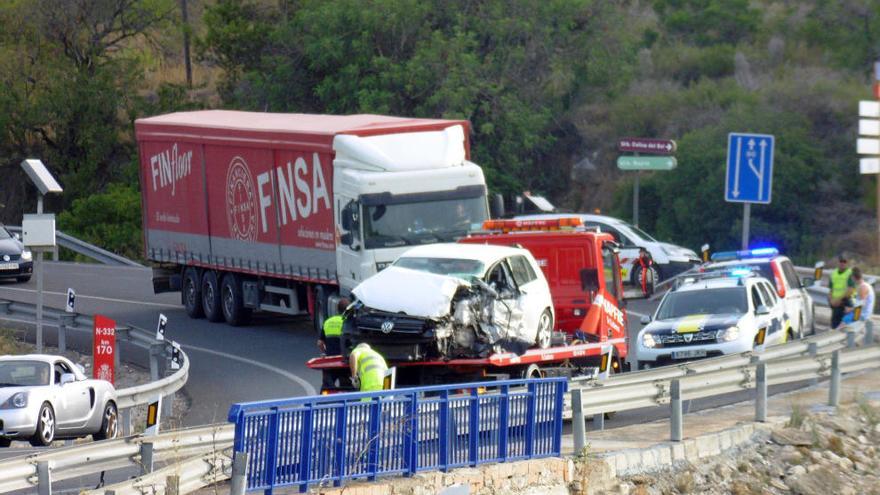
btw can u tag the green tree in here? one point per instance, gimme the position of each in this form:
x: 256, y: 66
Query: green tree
x: 111, y: 219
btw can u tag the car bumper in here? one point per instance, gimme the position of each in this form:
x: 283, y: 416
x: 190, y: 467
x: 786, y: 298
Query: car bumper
x: 665, y: 354
x: 17, y: 423
x: 23, y: 269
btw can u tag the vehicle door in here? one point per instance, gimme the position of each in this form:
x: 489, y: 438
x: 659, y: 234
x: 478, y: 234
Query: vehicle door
x: 350, y: 249
x: 615, y: 319
x: 534, y: 295
x: 628, y: 253
x: 508, y: 311
x: 760, y: 321
x: 795, y: 297
x: 73, y: 403
x: 779, y: 317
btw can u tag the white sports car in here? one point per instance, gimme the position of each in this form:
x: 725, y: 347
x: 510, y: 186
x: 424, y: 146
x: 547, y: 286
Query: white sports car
x: 44, y: 397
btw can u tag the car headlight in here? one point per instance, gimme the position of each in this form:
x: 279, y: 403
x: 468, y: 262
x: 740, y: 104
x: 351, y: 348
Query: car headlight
x: 27, y: 255
x: 17, y: 401
x: 728, y: 335
x: 648, y: 341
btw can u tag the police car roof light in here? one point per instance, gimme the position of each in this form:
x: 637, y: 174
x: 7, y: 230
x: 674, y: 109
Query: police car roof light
x: 748, y: 253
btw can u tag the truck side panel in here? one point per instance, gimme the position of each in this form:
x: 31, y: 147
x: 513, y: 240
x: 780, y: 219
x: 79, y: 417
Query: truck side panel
x: 304, y: 201
x: 244, y: 229
x: 175, y: 215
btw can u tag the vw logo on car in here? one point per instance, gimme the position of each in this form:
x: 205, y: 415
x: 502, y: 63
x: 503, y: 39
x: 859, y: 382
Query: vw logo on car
x: 387, y: 326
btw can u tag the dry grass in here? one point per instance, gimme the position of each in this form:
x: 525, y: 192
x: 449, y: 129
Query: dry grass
x: 9, y: 344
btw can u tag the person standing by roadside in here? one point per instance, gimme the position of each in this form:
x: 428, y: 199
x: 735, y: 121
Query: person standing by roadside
x: 330, y: 340
x: 840, y: 290
x: 864, y: 293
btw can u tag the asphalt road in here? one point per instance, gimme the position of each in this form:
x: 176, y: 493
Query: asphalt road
x: 265, y: 360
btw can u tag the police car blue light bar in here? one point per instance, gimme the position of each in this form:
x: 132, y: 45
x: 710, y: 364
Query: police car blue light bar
x: 748, y: 253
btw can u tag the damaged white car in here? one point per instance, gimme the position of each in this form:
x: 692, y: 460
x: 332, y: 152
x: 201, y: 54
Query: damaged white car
x: 446, y: 301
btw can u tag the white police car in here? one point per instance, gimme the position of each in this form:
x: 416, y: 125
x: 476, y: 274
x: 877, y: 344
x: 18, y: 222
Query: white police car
x: 780, y: 271
x: 713, y: 314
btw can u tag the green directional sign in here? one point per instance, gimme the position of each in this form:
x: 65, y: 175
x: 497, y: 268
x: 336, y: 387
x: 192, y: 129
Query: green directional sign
x: 646, y: 162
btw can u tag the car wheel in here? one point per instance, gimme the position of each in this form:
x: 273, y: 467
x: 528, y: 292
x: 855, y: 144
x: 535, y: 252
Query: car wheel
x: 5, y: 442
x: 45, y: 433
x: 545, y: 330
x: 636, y: 278
x: 211, y: 296
x: 320, y: 309
x: 23, y: 279
x: 233, y: 308
x: 109, y: 423
x: 192, y: 294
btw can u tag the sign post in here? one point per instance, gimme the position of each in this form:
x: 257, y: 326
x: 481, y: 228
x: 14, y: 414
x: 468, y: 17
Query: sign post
x: 749, y: 176
x: 869, y: 125
x: 35, y: 230
x: 637, y: 163
x: 104, y: 349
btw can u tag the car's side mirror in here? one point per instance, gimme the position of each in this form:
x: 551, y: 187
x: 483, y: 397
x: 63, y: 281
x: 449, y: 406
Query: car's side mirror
x: 589, y: 279
x: 17, y: 236
x: 807, y: 282
x: 346, y: 238
x: 762, y: 310
x: 67, y: 378
x: 645, y: 320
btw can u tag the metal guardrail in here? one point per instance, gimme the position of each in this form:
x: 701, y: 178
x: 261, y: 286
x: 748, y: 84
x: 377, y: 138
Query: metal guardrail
x: 825, y: 355
x: 84, y: 248
x: 186, y: 476
x: 334, y: 438
x: 126, y: 397
x: 22, y: 473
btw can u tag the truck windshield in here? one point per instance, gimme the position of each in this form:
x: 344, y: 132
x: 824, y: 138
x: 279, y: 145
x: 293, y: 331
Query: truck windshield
x: 728, y: 300
x: 443, y: 266
x: 425, y: 222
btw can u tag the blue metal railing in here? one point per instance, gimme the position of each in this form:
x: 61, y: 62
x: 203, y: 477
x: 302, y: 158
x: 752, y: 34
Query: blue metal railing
x: 332, y: 438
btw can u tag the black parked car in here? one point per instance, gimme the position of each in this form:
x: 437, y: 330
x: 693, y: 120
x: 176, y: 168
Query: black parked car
x: 15, y: 260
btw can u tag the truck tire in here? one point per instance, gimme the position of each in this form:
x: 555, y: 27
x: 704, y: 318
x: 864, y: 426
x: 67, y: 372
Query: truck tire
x: 191, y: 293
x: 532, y: 372
x: 232, y: 299
x: 636, y: 278
x: 211, y: 296
x: 320, y: 309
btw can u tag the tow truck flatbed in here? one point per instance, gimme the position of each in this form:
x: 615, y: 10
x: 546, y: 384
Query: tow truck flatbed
x: 564, y: 360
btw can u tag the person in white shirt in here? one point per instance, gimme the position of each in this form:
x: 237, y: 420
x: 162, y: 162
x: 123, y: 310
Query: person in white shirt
x: 865, y: 294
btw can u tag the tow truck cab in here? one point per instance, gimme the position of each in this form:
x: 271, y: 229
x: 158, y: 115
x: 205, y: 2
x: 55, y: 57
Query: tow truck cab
x: 581, y: 266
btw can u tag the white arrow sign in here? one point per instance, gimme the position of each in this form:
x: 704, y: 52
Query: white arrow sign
x: 869, y: 127
x: 869, y: 109
x: 869, y: 165
x: 867, y: 146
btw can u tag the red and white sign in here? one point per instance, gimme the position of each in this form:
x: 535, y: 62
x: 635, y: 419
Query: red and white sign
x: 645, y: 145
x: 104, y: 349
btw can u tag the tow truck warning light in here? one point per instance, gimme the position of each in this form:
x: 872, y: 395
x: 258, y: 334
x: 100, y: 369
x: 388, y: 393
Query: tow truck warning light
x: 748, y: 253
x: 532, y: 225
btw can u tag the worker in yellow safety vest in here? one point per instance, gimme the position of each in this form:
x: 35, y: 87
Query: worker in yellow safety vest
x: 367, y: 368
x: 840, y: 291
x: 330, y: 341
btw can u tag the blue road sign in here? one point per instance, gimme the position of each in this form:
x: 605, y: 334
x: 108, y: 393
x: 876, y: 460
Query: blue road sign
x: 749, y: 168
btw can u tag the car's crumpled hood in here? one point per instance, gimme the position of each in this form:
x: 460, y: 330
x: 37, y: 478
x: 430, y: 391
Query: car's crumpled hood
x: 415, y: 293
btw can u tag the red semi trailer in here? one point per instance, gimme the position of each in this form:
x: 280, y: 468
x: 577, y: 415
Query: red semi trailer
x: 252, y: 211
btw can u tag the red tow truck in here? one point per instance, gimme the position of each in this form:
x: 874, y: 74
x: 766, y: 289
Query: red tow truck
x: 583, y: 271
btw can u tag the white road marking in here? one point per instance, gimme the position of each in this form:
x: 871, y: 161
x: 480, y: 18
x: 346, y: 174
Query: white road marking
x: 97, y: 298
x: 635, y: 313
x: 310, y: 390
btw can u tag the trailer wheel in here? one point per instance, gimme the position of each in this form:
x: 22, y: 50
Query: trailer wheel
x: 544, y: 335
x: 532, y: 372
x: 320, y: 313
x: 211, y: 296
x: 192, y: 293
x: 232, y: 298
